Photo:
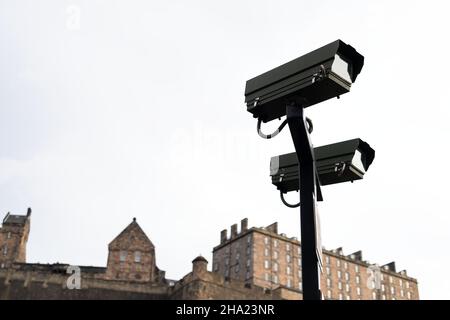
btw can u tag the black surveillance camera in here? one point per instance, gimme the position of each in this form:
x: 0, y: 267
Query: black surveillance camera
x: 320, y: 75
x: 335, y: 163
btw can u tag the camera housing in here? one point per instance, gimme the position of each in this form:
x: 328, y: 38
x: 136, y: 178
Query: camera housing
x: 320, y: 75
x: 335, y: 163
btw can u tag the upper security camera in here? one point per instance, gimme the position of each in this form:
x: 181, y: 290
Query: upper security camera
x: 317, y: 76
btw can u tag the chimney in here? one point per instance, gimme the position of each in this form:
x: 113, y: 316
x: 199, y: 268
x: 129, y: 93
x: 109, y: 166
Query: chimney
x: 273, y: 228
x: 29, y: 212
x: 244, y: 225
x: 389, y: 266
x: 356, y: 255
x: 223, y: 236
x: 233, y: 231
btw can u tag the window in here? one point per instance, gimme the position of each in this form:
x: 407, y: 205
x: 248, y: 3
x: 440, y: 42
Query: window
x: 328, y: 270
x: 275, y: 266
x: 358, y: 291
x: 408, y: 295
x: 327, y: 260
x: 123, y: 256
x: 227, y: 261
x: 407, y: 285
x: 347, y: 276
x: 288, y: 258
x: 216, y: 267
x: 249, y: 238
x: 275, y: 278
x: 289, y: 283
x: 288, y: 270
x: 227, y: 272
x: 5, y: 250
x: 2, y: 265
x: 329, y: 294
x: 392, y: 290
x: 299, y: 262
x: 383, y: 288
x: 238, y: 256
x: 248, y: 251
x: 382, y: 277
x: 275, y: 254
x: 356, y: 268
x: 374, y: 295
x: 400, y: 281
x: 402, y: 293
x: 300, y: 285
x: 266, y: 264
x: 345, y: 265
x: 275, y: 243
x: 328, y: 282
x: 236, y: 268
x: 288, y: 247
x: 266, y: 252
x: 383, y: 297
x: 299, y: 273
x: 347, y: 287
x: 338, y: 263
x: 137, y: 256
x: 266, y: 277
x: 340, y: 285
x: 339, y: 274
x: 266, y: 240
x: 9, y: 235
x: 248, y: 263
x: 299, y: 250
x: 390, y: 279
x: 247, y: 275
x: 341, y: 297
x: 358, y: 279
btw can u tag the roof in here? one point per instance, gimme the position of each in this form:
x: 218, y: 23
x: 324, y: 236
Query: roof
x: 200, y: 258
x: 132, y: 226
x: 15, y: 219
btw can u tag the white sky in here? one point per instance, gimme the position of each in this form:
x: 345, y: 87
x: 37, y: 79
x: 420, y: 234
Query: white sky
x: 140, y: 113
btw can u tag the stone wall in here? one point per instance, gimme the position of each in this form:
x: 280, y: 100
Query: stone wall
x: 24, y: 282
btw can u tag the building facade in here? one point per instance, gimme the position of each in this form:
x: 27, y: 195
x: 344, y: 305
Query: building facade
x: 13, y: 238
x: 256, y: 263
x: 263, y: 257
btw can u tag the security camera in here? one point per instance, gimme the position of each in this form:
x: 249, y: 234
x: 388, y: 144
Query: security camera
x: 335, y: 163
x: 320, y: 75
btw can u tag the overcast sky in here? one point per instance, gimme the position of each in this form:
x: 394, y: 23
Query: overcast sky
x: 136, y: 109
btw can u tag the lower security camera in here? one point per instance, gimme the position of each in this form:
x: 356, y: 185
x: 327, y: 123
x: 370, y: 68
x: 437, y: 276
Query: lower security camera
x: 335, y: 163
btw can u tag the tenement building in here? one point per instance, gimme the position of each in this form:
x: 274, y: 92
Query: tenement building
x: 265, y: 258
x: 256, y: 263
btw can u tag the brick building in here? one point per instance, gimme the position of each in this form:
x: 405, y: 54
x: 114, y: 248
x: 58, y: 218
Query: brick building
x: 263, y: 257
x: 256, y: 263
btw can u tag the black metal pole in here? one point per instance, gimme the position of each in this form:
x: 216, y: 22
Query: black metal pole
x: 307, y: 176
